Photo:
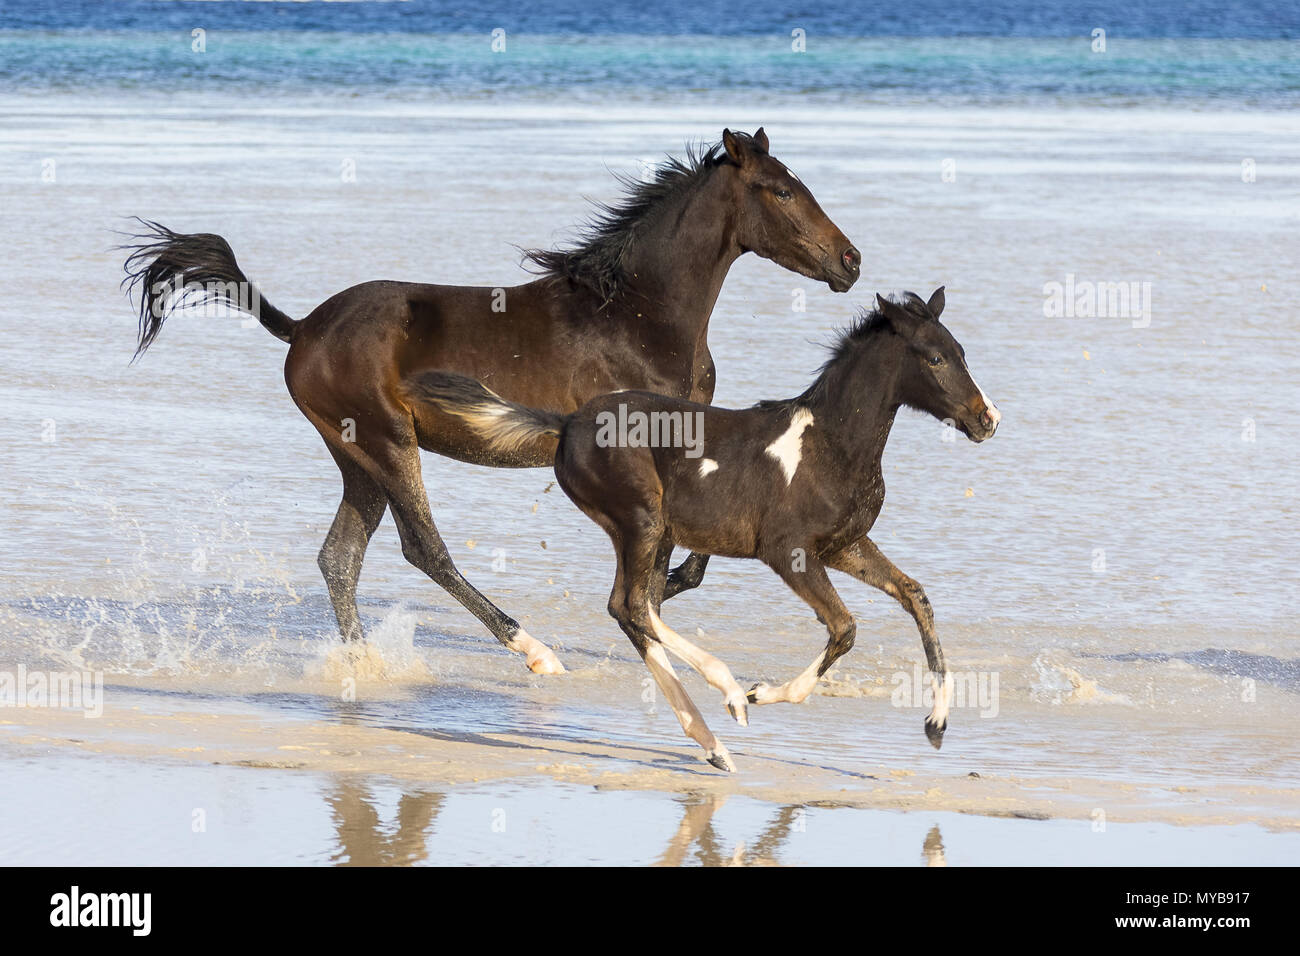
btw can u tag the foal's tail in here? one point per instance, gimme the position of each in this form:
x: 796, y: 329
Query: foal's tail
x: 173, y: 269
x: 504, y: 425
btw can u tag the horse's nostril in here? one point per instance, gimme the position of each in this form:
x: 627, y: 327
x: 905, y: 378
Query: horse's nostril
x: 852, y: 259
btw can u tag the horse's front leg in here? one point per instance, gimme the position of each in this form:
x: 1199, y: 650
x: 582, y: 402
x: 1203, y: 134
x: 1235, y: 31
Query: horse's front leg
x: 815, y: 588
x: 686, y: 575
x: 864, y: 561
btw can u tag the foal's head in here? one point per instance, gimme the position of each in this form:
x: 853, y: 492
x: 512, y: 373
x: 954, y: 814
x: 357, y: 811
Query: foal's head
x: 779, y: 218
x: 933, y: 376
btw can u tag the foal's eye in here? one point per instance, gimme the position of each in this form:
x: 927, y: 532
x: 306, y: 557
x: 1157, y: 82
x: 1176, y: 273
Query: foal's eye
x: 783, y: 194
x: 936, y: 361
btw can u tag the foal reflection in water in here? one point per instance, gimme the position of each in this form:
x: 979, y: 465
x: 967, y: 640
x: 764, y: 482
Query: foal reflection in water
x: 794, y: 483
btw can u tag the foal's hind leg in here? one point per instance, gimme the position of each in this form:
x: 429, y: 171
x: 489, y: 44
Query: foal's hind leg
x: 864, y: 561
x: 344, y: 549
x: 629, y: 604
x: 815, y: 588
x: 705, y: 664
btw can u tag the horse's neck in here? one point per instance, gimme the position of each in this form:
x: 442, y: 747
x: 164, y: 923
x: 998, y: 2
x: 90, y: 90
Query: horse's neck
x: 859, y: 404
x: 681, y: 257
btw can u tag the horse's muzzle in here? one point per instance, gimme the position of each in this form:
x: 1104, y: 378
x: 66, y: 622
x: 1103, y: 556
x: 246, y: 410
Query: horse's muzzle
x: 848, y: 271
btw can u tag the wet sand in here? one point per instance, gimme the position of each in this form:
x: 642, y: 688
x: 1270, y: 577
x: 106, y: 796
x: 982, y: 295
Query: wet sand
x: 183, y: 778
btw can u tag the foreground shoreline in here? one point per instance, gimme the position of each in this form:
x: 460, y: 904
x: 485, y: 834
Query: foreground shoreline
x: 204, y: 730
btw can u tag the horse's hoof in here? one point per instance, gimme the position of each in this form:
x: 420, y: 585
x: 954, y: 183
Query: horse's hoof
x: 738, y: 710
x: 545, y: 662
x: 934, y: 733
x: 721, y: 759
x: 539, y: 658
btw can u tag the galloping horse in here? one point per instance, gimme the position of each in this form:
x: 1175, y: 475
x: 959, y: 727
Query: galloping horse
x: 627, y: 307
x: 795, y: 483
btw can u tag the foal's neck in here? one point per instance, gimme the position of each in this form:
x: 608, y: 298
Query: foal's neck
x: 681, y: 256
x: 858, y: 399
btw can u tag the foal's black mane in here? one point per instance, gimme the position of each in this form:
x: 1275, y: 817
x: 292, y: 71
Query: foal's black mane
x: 596, y: 260
x: 866, y: 325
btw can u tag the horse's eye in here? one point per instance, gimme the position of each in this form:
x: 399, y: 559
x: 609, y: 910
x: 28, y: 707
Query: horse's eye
x: 783, y: 194
x: 936, y: 360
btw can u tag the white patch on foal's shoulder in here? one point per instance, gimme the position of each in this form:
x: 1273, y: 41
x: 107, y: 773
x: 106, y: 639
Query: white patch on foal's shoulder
x: 788, y: 449
x: 707, y: 467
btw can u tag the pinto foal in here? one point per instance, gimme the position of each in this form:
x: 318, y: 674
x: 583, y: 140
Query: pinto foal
x: 794, y: 483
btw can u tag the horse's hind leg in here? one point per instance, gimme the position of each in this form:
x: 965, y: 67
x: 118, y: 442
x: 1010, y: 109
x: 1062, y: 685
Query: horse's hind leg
x: 816, y: 589
x: 390, y: 457
x: 629, y: 604
x: 344, y: 549
x: 864, y: 561
x: 424, y: 548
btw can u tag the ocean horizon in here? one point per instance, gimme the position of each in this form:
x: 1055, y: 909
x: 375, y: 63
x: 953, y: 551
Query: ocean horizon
x: 1121, y: 55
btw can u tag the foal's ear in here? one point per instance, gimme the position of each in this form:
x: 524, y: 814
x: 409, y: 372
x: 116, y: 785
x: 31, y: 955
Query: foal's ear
x: 904, y: 322
x: 936, y: 303
x: 737, y: 147
x: 760, y: 140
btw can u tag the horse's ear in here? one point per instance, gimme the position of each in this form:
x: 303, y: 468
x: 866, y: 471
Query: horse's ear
x: 904, y: 322
x: 760, y: 140
x: 736, y: 147
x: 936, y: 303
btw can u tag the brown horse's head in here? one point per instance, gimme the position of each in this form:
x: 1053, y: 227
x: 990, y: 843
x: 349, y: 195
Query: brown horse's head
x: 780, y: 220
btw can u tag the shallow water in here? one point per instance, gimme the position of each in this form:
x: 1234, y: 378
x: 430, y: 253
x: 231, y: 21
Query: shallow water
x: 1120, y: 558
x: 211, y: 816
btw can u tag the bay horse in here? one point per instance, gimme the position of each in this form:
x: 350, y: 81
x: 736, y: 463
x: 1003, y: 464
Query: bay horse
x: 627, y: 306
x: 794, y: 483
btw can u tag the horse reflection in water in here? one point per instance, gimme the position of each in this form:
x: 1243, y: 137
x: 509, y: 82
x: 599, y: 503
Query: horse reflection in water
x: 363, y: 839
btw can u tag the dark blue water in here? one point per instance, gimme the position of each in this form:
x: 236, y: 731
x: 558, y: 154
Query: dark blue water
x: 915, y: 18
x: 931, y: 51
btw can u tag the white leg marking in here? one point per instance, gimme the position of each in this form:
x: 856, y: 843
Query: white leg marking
x: 688, y: 715
x: 788, y: 449
x: 791, y: 692
x: 709, y: 667
x: 707, y: 467
x: 540, y: 658
x: 942, y: 699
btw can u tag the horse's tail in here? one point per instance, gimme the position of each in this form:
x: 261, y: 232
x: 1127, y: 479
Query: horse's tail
x: 174, y: 269
x: 503, y: 424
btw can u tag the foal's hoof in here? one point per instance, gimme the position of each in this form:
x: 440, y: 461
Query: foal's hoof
x: 736, y: 707
x: 934, y: 732
x: 721, y: 759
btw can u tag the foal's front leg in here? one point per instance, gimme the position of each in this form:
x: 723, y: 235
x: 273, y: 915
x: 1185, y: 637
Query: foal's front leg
x: 815, y: 588
x: 864, y: 561
x: 687, y: 575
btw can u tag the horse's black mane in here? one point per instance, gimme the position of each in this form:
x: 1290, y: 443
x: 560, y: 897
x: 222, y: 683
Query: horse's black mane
x: 596, y: 259
x: 865, y: 325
